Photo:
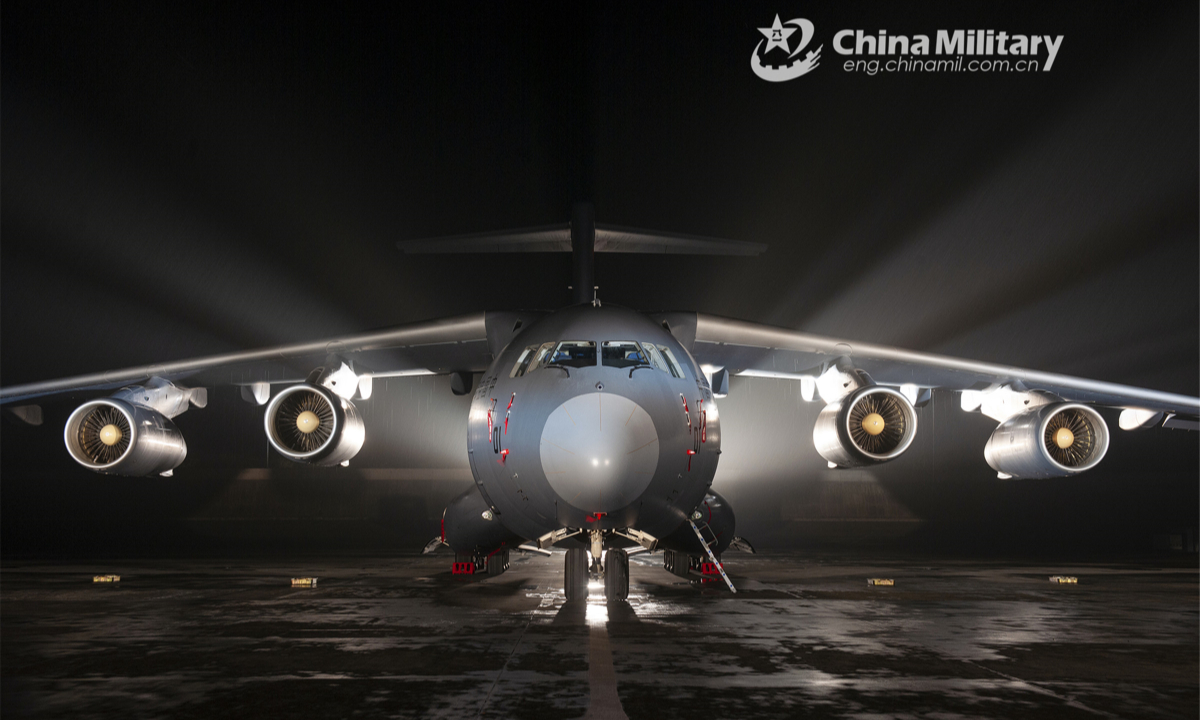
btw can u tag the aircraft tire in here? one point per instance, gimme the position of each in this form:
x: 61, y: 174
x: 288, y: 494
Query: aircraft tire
x: 575, y: 575
x: 678, y: 563
x: 497, y: 563
x: 616, y: 575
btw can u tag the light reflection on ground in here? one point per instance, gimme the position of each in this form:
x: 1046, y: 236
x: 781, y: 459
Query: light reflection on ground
x: 402, y: 637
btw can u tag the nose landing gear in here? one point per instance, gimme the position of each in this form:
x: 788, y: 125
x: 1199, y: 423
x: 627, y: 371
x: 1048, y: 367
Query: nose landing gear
x: 614, y: 569
x: 597, y: 537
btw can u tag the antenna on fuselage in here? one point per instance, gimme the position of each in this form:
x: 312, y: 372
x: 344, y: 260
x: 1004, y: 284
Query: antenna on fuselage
x: 583, y: 238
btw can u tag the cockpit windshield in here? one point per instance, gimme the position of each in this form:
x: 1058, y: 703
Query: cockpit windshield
x: 574, y: 353
x: 623, y: 354
x: 582, y: 353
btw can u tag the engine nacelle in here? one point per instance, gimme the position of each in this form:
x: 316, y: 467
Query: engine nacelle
x: 1053, y: 440
x: 117, y: 437
x: 308, y: 423
x: 871, y: 425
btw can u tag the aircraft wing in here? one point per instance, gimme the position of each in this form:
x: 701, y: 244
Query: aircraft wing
x: 458, y: 344
x: 750, y: 349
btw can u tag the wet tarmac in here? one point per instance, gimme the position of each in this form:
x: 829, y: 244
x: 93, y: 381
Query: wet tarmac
x: 402, y: 637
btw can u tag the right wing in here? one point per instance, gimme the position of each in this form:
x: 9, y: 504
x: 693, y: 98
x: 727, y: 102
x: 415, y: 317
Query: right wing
x: 751, y: 349
x: 1047, y: 425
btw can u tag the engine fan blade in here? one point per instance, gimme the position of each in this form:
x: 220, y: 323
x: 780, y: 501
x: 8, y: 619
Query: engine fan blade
x: 304, y: 422
x: 1070, y: 438
x: 877, y: 423
x: 104, y: 435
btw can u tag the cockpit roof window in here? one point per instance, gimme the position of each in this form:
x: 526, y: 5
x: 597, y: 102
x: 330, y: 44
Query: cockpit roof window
x: 623, y: 354
x: 573, y: 353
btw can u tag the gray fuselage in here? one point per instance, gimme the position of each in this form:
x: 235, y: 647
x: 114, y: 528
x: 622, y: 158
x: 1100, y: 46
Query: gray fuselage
x: 623, y: 435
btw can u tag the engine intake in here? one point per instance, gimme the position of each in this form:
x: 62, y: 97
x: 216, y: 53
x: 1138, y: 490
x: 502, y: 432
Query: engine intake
x: 308, y: 423
x: 871, y: 425
x: 1053, y: 440
x: 116, y: 437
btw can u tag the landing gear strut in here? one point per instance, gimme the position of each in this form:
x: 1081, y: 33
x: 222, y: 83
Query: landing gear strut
x: 597, y: 539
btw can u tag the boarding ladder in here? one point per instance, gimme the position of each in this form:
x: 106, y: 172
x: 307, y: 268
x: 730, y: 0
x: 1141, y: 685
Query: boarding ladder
x: 708, y: 549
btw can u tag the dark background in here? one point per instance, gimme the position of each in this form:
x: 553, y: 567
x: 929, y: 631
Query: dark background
x: 179, y: 180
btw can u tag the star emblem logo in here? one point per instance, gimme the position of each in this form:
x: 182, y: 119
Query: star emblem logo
x: 777, y: 36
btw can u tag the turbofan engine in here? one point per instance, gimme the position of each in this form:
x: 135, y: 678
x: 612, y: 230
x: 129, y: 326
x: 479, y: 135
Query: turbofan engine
x: 308, y: 423
x: 1053, y: 440
x: 117, y: 437
x: 873, y: 424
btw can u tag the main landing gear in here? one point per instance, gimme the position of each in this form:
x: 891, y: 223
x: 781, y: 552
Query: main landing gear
x: 493, y: 564
x: 694, y: 568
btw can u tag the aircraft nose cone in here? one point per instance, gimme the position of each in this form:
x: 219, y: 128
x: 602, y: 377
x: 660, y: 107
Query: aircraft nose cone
x: 599, y: 451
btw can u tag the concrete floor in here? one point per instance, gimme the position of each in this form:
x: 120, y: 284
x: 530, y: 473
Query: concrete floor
x: 401, y: 637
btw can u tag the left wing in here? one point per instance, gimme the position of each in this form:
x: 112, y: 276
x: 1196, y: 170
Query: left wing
x: 313, y: 419
x: 1047, y: 424
x: 458, y: 344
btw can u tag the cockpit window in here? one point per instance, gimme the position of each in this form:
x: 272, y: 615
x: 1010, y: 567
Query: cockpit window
x: 573, y: 353
x: 656, y: 359
x: 530, y: 359
x: 543, y: 353
x: 669, y: 358
x: 523, y: 361
x: 623, y: 354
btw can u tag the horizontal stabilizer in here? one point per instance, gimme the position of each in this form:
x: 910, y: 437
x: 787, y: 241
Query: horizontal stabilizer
x: 557, y: 238
x: 611, y: 238
x: 547, y: 238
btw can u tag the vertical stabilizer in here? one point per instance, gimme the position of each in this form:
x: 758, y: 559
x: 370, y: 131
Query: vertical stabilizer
x: 583, y: 252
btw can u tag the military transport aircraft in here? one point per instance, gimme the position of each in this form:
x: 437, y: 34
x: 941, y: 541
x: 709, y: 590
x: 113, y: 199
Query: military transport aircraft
x: 596, y: 427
